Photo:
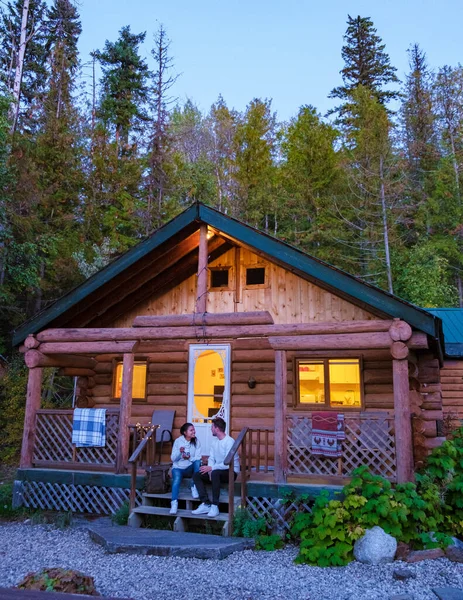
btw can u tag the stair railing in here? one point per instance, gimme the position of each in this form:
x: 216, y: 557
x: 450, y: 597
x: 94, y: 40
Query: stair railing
x: 251, y: 440
x: 144, y: 453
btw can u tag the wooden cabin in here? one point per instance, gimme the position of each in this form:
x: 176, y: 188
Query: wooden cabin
x: 210, y: 316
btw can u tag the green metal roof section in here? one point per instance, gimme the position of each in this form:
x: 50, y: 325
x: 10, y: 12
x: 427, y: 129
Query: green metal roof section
x: 112, y: 270
x: 293, y: 258
x: 452, y: 322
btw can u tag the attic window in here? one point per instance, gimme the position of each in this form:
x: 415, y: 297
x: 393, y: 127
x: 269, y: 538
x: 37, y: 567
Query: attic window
x: 219, y: 278
x: 255, y: 276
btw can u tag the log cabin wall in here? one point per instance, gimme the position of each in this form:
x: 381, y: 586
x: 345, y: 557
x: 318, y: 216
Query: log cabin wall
x: 452, y: 388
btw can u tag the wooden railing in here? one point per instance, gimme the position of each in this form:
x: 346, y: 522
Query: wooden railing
x: 369, y: 440
x: 255, y: 459
x: 53, y: 441
x: 143, y: 455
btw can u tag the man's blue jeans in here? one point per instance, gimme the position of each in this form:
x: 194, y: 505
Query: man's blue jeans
x: 179, y: 474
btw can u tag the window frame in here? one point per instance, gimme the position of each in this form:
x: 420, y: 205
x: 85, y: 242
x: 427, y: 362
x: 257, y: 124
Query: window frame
x: 308, y: 407
x: 117, y: 361
x: 256, y: 286
x: 222, y: 288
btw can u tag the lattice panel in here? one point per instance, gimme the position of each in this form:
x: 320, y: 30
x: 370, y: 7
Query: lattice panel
x: 369, y: 441
x: 53, y: 441
x: 75, y: 498
x: 279, y: 512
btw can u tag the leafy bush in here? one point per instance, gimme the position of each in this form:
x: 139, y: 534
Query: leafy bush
x: 120, y: 517
x: 328, y: 534
x: 245, y: 526
x: 6, y: 502
x: 269, y: 542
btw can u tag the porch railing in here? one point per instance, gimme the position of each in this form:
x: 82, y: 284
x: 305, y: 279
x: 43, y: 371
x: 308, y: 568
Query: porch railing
x: 143, y: 455
x: 253, y: 445
x: 53, y: 441
x: 370, y: 441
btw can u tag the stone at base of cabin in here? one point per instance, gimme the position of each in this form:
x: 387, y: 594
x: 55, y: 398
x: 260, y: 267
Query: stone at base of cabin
x: 448, y: 593
x: 403, y: 574
x: 454, y: 553
x: 419, y: 555
x: 403, y: 550
x: 375, y: 547
x: 59, y: 580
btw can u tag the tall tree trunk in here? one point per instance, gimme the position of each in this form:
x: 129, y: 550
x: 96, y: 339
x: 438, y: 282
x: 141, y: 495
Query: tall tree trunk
x: 19, y: 67
x: 460, y: 291
x: 385, y: 227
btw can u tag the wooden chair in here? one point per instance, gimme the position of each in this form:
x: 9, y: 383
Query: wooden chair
x: 165, y: 420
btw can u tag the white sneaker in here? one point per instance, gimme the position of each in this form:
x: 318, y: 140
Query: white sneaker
x: 214, y: 512
x: 194, y: 492
x: 203, y: 509
x: 173, y: 507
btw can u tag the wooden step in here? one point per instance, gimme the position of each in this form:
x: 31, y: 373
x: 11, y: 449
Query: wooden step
x: 184, y: 514
x: 223, y: 499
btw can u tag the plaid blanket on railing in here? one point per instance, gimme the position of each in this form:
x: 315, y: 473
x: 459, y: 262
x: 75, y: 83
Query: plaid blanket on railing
x: 89, y: 427
x: 327, y: 433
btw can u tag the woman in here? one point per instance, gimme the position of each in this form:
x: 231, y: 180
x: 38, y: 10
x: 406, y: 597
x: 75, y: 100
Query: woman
x: 186, y: 458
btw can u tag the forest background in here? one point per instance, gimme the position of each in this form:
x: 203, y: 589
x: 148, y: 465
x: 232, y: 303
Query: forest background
x: 87, y: 170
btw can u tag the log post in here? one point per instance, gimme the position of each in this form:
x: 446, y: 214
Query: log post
x: 402, y: 421
x: 126, y: 407
x: 280, y: 444
x: 33, y: 398
x: 201, y: 289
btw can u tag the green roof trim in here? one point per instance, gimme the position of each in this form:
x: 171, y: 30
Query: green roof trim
x: 112, y: 270
x: 289, y: 256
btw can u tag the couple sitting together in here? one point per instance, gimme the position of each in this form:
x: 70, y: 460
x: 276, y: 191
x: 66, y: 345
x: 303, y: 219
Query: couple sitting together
x: 186, y: 459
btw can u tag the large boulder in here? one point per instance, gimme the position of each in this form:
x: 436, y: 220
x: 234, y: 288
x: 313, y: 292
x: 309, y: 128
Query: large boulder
x: 59, y: 580
x: 375, y: 547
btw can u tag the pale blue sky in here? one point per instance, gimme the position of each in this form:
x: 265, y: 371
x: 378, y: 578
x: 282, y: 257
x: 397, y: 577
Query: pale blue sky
x: 287, y: 50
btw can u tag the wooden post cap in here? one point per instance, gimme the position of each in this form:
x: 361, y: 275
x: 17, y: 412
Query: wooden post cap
x: 399, y: 350
x: 400, y: 331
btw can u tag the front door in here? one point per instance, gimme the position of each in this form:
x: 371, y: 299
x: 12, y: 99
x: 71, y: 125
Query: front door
x: 208, y: 389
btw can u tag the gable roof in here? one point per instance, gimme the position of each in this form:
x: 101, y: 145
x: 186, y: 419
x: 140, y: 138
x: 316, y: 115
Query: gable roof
x: 292, y: 259
x: 452, y: 322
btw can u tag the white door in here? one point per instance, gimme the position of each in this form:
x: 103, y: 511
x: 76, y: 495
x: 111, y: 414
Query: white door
x: 208, y: 388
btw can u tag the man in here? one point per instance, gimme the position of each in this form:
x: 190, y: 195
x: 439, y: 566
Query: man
x: 216, y: 471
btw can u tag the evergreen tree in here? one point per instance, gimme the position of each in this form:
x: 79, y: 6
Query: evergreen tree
x: 366, y: 64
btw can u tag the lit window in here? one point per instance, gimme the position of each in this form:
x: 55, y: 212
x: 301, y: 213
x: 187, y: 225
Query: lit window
x: 138, y: 384
x: 328, y: 383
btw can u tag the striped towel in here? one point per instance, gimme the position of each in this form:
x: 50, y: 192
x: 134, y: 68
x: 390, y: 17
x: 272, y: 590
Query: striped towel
x: 327, y: 434
x: 89, y: 427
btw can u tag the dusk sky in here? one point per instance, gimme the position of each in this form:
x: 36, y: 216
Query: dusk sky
x: 287, y: 50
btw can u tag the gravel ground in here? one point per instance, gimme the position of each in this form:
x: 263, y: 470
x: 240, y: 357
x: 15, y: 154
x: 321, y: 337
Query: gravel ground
x: 245, y: 575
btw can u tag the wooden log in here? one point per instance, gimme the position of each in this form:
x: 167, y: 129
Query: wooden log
x: 435, y: 442
x: 226, y: 325
x: 104, y: 367
x: 201, y: 286
x: 35, y: 358
x: 147, y: 347
x: 280, y: 416
x: 33, y: 398
x: 399, y: 350
x: 30, y: 342
x: 71, y: 372
x: 332, y: 341
x: 427, y: 428
x: 126, y: 408
x: 167, y: 388
x: 402, y: 422
x: 87, y: 347
x: 400, y: 331
x: 262, y: 317
x: 432, y: 415
x: 382, y: 376
x: 251, y: 344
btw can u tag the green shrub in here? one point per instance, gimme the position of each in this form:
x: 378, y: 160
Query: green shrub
x: 244, y: 525
x: 408, y: 513
x: 120, y: 517
x: 269, y: 542
x: 6, y: 502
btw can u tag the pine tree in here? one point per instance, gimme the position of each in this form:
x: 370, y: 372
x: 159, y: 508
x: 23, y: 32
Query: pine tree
x: 366, y: 64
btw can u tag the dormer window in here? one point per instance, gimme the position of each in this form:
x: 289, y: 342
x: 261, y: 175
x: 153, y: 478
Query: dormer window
x: 220, y: 278
x: 255, y: 276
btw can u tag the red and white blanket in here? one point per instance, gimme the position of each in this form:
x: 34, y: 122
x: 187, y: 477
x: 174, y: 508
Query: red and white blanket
x: 327, y: 433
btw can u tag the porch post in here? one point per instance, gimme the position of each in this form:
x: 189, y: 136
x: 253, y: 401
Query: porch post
x: 33, y: 398
x: 201, y: 288
x: 280, y: 442
x: 126, y: 407
x: 402, y: 421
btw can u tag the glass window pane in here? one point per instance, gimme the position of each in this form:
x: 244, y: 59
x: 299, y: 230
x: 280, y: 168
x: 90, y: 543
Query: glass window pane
x: 345, y: 382
x: 139, y: 380
x: 311, y: 382
x: 209, y: 379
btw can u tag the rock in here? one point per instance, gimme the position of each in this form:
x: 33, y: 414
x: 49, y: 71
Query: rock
x: 403, y: 550
x: 59, y: 580
x: 419, y: 555
x: 456, y: 543
x: 375, y: 547
x: 401, y: 597
x: 448, y: 593
x: 403, y: 574
x: 454, y: 553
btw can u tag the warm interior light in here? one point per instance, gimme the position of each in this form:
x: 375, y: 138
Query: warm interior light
x: 210, y: 234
